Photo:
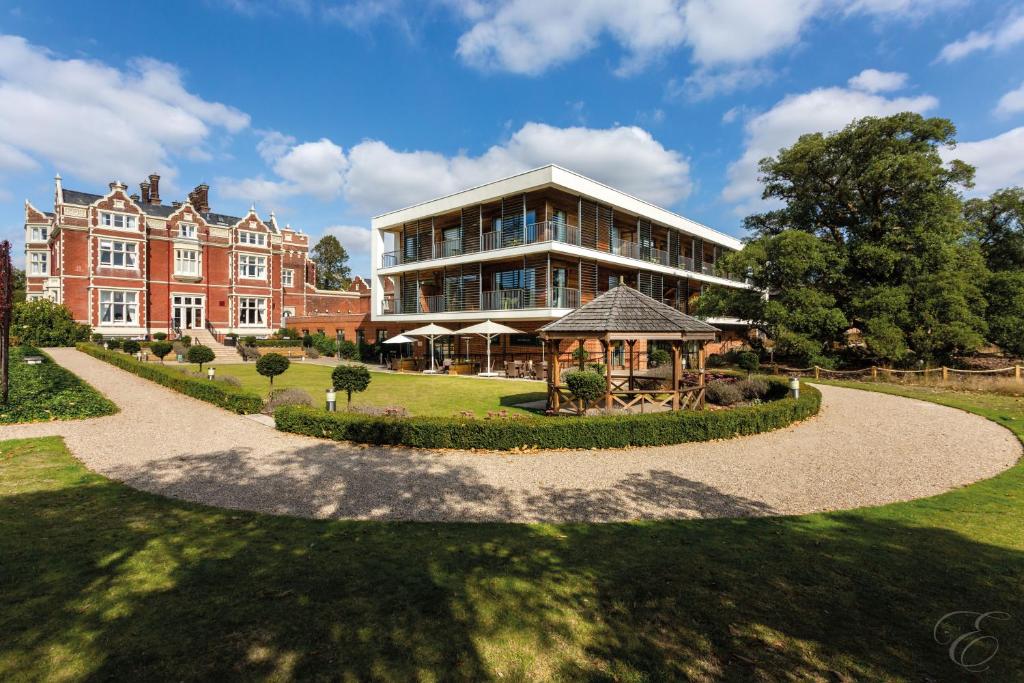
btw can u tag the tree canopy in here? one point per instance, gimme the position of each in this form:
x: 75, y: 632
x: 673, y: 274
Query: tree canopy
x: 332, y: 271
x: 870, y: 233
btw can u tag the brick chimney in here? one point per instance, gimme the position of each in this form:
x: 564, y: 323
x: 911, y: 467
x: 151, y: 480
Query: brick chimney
x: 144, y: 191
x: 200, y: 198
x: 154, y: 188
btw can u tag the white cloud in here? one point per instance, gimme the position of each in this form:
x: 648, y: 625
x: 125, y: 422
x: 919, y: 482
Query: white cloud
x: 999, y: 160
x: 355, y: 238
x: 873, y: 80
x: 626, y: 157
x: 738, y: 31
x: 820, y: 110
x: 705, y: 83
x: 1011, y: 103
x: 900, y: 8
x: 310, y: 168
x: 997, y: 38
x: 98, y: 122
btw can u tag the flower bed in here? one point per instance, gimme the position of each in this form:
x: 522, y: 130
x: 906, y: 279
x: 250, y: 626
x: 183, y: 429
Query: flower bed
x: 48, y: 391
x: 614, y: 431
x: 218, y: 393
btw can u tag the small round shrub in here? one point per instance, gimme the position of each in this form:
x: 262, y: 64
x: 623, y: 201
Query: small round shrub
x: 599, y: 368
x: 723, y: 393
x: 349, y: 378
x: 307, y: 340
x: 748, y: 360
x: 160, y: 336
x: 114, y: 343
x: 271, y: 365
x: 715, y: 360
x: 131, y: 347
x: 200, y: 354
x: 753, y: 388
x: 160, y: 349
x: 96, y: 337
x: 659, y: 357
x: 347, y: 349
x: 186, y: 340
x: 585, y: 385
x: 249, y: 340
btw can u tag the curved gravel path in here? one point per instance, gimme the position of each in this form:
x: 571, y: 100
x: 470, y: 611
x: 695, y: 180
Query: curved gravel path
x: 863, y: 449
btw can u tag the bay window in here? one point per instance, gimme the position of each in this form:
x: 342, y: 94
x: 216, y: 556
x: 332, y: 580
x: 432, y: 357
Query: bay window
x: 118, y: 308
x: 252, y: 266
x: 252, y: 312
x: 118, y: 254
x: 186, y: 262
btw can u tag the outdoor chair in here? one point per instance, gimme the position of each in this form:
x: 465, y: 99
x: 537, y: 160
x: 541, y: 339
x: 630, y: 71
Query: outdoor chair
x: 446, y: 365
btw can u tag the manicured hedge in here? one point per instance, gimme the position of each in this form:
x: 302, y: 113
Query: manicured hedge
x: 218, y: 393
x: 614, y: 431
x: 279, y: 343
x: 49, y: 392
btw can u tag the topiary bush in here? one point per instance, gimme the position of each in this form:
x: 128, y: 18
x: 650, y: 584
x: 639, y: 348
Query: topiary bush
x: 615, y: 431
x: 350, y: 378
x: 272, y: 364
x: 200, y: 354
x: 586, y: 386
x: 715, y: 360
x: 114, y: 343
x: 131, y: 347
x: 249, y: 340
x: 658, y: 357
x: 723, y: 393
x: 160, y: 336
x: 307, y: 340
x: 218, y: 393
x: 160, y: 349
x: 185, y: 340
x: 748, y: 360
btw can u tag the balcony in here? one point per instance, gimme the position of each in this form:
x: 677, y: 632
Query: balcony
x: 491, y: 300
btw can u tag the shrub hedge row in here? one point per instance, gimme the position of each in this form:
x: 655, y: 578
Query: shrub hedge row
x: 280, y: 343
x: 49, y: 392
x: 218, y: 393
x: 615, y: 431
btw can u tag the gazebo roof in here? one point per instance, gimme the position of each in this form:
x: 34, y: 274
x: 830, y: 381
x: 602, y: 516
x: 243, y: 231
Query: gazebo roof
x: 624, y: 313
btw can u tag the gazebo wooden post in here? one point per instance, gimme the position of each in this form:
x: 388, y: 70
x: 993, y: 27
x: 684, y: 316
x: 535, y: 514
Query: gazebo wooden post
x: 701, y: 379
x: 583, y: 361
x: 631, y: 343
x: 555, y: 377
x: 676, y: 369
x: 607, y: 346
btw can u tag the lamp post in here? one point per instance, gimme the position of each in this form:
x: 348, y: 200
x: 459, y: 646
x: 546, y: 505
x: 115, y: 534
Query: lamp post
x: 794, y: 387
x: 332, y: 401
x: 211, y: 373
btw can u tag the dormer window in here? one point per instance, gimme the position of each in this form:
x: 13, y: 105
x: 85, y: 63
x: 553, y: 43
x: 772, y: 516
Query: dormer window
x: 257, y: 239
x: 117, y: 220
x: 187, y: 230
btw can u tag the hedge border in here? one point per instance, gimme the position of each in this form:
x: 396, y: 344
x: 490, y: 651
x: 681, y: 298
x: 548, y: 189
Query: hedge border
x: 616, y: 431
x: 77, y: 399
x: 218, y: 393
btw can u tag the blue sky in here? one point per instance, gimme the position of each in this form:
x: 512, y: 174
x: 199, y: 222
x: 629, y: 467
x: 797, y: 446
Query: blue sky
x: 329, y: 111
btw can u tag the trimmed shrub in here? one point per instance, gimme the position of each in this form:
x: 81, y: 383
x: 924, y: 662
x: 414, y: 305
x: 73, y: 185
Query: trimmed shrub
x: 48, y: 392
x: 288, y: 332
x: 287, y: 397
x: 599, y: 368
x: 347, y: 349
x: 45, y: 323
x: 160, y: 349
x: 324, y: 344
x: 715, y: 360
x: 271, y: 365
x: 307, y: 340
x: 131, y: 347
x: 249, y: 340
x: 659, y: 357
x: 200, y: 354
x: 96, y: 337
x: 349, y: 378
x: 185, y: 340
x: 723, y: 393
x: 748, y: 360
x: 278, y: 343
x: 586, y: 386
x: 113, y: 343
x: 753, y: 388
x: 160, y: 336
x: 613, y: 431
x: 218, y: 393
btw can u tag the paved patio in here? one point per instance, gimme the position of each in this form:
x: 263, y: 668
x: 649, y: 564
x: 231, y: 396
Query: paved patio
x: 863, y: 449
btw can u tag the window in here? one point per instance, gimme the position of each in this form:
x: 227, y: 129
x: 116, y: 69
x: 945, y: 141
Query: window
x: 341, y: 335
x: 117, y: 220
x: 186, y: 262
x: 118, y: 254
x: 360, y: 337
x: 255, y: 238
x: 118, y: 308
x: 381, y: 336
x: 38, y: 263
x: 287, y: 277
x: 252, y: 267
x: 187, y: 230
x: 33, y: 297
x: 252, y: 312
x: 40, y: 234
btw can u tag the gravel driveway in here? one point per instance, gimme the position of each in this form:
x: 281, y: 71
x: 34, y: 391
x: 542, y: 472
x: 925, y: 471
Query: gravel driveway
x: 863, y: 449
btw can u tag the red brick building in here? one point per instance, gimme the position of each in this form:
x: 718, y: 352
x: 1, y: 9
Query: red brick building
x: 130, y: 265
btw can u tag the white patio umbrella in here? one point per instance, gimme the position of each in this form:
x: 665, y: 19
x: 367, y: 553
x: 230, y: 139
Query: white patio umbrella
x: 489, y: 329
x: 431, y: 332
x: 400, y: 339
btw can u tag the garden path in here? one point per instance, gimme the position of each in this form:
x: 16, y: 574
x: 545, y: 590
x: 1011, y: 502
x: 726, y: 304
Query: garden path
x: 862, y: 449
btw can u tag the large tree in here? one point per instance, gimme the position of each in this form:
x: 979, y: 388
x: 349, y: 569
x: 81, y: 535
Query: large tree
x: 878, y: 194
x: 332, y: 271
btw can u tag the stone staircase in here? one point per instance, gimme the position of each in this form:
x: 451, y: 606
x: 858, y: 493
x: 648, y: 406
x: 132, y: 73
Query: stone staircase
x: 223, y: 354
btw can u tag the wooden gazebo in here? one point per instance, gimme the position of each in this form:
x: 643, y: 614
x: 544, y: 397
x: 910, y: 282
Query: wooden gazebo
x: 627, y: 315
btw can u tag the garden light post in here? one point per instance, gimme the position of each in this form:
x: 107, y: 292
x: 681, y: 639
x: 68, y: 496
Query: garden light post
x: 794, y: 387
x: 332, y: 401
x: 211, y: 373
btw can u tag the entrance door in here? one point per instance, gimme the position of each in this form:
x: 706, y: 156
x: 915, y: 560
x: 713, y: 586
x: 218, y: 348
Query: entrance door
x: 188, y: 312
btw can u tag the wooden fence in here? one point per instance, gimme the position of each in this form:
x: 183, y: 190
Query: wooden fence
x: 878, y: 372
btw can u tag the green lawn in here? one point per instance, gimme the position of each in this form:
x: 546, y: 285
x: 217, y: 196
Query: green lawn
x: 101, y: 581
x: 48, y: 392
x: 417, y: 393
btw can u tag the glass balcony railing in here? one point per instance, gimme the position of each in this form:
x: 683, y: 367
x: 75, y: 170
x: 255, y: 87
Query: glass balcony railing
x: 492, y: 300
